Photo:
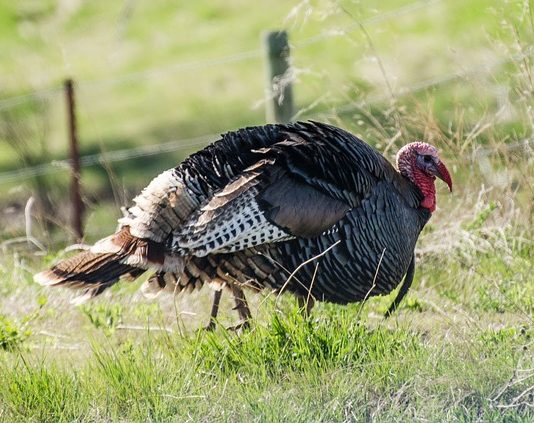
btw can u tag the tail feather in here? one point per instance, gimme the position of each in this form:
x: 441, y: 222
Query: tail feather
x: 120, y: 255
x: 91, y: 272
x: 159, y: 282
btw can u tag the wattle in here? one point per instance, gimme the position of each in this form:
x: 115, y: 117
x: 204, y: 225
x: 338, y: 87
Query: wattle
x: 425, y: 183
x: 429, y: 202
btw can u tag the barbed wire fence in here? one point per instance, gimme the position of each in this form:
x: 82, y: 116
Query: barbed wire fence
x: 172, y: 145
x: 187, y: 143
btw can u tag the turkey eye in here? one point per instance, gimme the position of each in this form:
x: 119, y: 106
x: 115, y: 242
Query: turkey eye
x: 427, y: 159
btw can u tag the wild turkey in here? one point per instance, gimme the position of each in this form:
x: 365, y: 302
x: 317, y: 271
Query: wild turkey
x: 306, y: 207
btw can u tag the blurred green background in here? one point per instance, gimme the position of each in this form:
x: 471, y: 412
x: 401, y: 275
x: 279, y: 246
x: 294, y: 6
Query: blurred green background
x: 160, y: 72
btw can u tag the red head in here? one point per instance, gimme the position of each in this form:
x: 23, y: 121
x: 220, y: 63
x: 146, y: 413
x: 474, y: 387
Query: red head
x: 420, y: 163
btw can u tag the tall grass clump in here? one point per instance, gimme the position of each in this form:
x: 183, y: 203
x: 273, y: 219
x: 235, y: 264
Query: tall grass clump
x: 334, y: 367
x: 33, y: 391
x: 291, y: 343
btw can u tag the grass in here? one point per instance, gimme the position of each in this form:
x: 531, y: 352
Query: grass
x: 331, y: 368
x: 460, y: 348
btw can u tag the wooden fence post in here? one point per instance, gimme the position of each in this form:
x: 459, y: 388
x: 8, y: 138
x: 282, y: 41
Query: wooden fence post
x: 75, y: 192
x: 279, y: 91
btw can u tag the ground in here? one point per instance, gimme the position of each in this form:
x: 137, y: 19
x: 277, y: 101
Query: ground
x: 456, y: 74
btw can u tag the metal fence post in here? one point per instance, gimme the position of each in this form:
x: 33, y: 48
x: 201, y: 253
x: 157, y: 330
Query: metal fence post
x: 279, y: 91
x: 75, y: 191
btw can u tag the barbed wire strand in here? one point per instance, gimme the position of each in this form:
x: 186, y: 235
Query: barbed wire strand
x: 172, y: 68
x: 111, y: 156
x: 10, y: 102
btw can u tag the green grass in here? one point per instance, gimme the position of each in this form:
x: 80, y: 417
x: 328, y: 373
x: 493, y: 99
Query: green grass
x: 331, y: 368
x: 460, y: 347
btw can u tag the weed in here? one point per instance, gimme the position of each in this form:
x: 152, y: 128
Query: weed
x: 104, y: 316
x: 11, y: 334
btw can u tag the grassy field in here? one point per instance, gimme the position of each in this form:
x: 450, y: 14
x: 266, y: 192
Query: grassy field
x: 454, y: 73
x: 149, y: 73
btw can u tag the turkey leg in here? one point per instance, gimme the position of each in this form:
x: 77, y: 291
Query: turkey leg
x: 214, y: 310
x: 408, y: 279
x: 241, y: 306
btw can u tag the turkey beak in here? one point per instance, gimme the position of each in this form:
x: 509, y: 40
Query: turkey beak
x: 440, y: 171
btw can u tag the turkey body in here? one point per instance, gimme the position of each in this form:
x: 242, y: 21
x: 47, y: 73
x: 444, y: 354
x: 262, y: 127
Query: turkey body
x: 369, y: 257
x: 305, y: 207
x: 365, y: 207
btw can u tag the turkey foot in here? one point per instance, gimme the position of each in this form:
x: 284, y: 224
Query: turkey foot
x: 240, y: 326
